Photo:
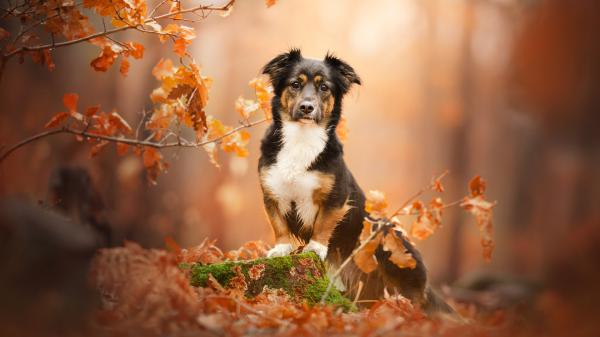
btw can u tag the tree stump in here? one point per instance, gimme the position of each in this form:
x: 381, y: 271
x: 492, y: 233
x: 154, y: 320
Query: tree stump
x: 302, y: 276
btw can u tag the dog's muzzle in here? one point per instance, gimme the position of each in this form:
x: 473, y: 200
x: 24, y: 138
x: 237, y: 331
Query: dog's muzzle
x: 307, y: 111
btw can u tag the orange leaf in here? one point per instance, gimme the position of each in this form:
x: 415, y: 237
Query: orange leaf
x: 136, y: 49
x: 482, y: 210
x: 400, y: 256
x: 365, y: 258
x: 376, y: 203
x: 428, y: 219
x: 163, y: 68
x: 70, y: 101
x: 48, y: 60
x: 179, y: 47
x: 97, y: 148
x: 153, y: 162
x: 56, y: 119
x: 245, y: 107
x: 124, y: 68
x: 115, y: 120
x: 122, y: 148
x: 104, y: 60
x: 477, y: 186
x: 342, y: 129
x: 437, y: 186
x: 92, y: 110
x: 270, y: 3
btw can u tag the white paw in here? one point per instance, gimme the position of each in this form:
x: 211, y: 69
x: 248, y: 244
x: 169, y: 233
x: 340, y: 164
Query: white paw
x: 280, y: 249
x: 314, y: 246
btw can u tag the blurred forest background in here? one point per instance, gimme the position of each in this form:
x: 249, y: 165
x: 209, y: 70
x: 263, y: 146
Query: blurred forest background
x: 505, y: 89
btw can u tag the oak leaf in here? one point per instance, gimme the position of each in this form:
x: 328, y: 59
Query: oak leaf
x: 482, y: 210
x: 376, y: 203
x: 365, y: 258
x: 179, y: 47
x: 400, y: 256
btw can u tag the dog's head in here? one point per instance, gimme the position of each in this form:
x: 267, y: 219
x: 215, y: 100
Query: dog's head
x: 308, y: 90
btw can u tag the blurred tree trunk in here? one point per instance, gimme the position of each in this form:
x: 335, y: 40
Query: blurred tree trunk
x: 458, y: 145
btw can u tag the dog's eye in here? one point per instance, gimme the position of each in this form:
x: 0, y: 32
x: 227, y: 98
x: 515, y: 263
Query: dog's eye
x: 323, y: 87
x: 295, y: 85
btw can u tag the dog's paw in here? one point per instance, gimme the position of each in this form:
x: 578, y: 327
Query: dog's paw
x: 319, y: 248
x: 280, y: 249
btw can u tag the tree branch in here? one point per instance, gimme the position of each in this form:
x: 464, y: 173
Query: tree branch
x: 118, y: 29
x: 128, y: 141
x: 418, y: 194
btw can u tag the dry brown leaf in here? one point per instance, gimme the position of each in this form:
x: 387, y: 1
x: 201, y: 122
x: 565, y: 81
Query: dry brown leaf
x: 365, y: 258
x: 376, y: 203
x: 482, y: 210
x: 256, y: 271
x: 477, y: 186
x: 400, y: 256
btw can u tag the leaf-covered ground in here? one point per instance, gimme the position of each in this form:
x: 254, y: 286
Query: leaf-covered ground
x: 145, y: 292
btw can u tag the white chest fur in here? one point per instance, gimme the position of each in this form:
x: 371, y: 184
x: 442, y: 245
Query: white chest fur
x: 288, y: 179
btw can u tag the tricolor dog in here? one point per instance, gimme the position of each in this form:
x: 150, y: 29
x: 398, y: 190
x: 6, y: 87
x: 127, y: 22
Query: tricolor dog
x: 310, y: 195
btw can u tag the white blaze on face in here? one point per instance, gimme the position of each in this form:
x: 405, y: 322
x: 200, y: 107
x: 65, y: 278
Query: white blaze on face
x: 288, y: 179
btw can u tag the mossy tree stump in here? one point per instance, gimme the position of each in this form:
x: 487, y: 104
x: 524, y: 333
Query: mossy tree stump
x: 302, y: 276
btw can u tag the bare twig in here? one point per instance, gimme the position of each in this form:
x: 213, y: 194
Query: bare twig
x: 419, y: 193
x: 128, y: 141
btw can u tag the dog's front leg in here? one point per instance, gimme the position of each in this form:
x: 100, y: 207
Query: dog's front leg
x: 324, y: 226
x: 283, y: 245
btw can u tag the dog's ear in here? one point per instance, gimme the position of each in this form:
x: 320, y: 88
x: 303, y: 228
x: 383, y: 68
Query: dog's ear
x: 278, y: 67
x: 347, y: 74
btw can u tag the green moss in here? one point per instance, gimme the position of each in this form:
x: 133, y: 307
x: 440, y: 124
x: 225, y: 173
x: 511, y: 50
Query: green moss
x: 315, y: 291
x: 302, y: 276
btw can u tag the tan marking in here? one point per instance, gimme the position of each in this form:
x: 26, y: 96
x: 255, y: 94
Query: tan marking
x: 318, y: 79
x: 287, y: 102
x: 328, y: 104
x: 326, y: 182
x: 303, y: 78
x: 327, y: 221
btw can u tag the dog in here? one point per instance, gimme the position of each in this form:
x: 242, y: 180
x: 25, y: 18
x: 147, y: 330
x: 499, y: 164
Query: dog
x: 310, y: 196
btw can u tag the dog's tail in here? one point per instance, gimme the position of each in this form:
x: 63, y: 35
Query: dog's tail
x: 435, y: 305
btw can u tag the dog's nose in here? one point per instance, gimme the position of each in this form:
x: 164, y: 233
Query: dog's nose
x: 307, y: 107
